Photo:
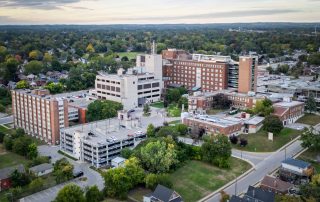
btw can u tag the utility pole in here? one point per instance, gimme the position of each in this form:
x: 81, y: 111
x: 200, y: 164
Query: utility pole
x: 235, y: 187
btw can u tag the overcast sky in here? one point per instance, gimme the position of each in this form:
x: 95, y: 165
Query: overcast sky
x: 156, y: 11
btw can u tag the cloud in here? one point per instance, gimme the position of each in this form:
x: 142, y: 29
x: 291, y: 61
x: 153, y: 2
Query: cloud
x: 215, y: 15
x: 38, y: 4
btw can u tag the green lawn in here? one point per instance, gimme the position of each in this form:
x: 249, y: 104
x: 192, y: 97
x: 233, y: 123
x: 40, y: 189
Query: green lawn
x: 130, y: 55
x: 258, y: 142
x: 174, y: 111
x: 157, y: 105
x: 197, y: 179
x: 138, y: 193
x: 8, y: 159
x: 313, y: 157
x: 310, y: 119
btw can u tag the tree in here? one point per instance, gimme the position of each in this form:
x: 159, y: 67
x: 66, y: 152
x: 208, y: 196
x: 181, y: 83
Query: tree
x: 8, y: 142
x: 55, y: 88
x: 183, y: 101
x: 310, y: 139
x: 158, y: 156
x: 126, y: 153
x: 152, y: 180
x: 20, y: 132
x: 99, y: 110
x: 311, y: 105
x: 243, y: 142
x: 272, y: 124
x: 47, y: 58
x: 93, y: 194
x: 216, y: 150
x: 35, y: 55
x: 2, y: 135
x: 233, y: 139
x: 33, y: 67
x: 70, y: 193
x: 263, y: 107
x: 21, y: 145
x: 146, y: 110
x: 168, y: 131
x: 10, y: 69
x: 63, y: 170
x: 150, y: 130
x: 220, y: 101
x: 181, y: 129
x: 19, y: 179
x: 119, y: 181
x: 32, y: 151
x: 23, y: 84
x: 90, y: 48
x: 36, y: 184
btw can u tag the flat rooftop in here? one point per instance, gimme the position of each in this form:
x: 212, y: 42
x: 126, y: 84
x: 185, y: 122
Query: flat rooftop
x: 102, y: 131
x: 217, y: 120
x: 288, y: 104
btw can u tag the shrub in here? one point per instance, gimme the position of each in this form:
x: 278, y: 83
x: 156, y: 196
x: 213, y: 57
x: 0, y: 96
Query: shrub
x: 233, y: 139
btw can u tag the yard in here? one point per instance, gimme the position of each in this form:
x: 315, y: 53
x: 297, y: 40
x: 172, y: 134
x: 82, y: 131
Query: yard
x: 130, y: 55
x: 8, y: 158
x: 197, y: 179
x: 312, y: 157
x: 157, y: 105
x: 258, y: 142
x: 173, y: 111
x: 310, y: 119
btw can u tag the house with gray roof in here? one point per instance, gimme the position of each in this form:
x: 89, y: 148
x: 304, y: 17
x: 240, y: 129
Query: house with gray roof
x: 42, y: 169
x: 163, y: 194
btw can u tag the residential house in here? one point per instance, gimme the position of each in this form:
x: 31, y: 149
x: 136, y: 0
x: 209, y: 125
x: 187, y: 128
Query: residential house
x: 5, y: 173
x: 42, y: 169
x: 255, y: 194
x: 295, y: 171
x: 276, y: 185
x: 162, y: 194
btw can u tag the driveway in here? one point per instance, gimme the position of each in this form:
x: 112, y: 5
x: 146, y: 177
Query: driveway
x: 93, y: 177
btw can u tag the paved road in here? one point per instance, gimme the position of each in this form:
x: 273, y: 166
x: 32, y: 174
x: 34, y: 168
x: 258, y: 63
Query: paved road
x: 7, y: 119
x: 253, y: 158
x: 263, y: 168
x: 93, y: 177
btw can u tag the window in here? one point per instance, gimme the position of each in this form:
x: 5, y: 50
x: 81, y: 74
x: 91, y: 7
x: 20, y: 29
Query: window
x: 155, y: 85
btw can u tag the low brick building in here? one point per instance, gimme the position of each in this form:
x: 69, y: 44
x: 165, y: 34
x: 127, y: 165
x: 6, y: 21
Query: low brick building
x: 289, y: 111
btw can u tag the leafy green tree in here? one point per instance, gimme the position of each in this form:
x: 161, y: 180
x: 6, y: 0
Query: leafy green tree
x: 35, y: 55
x: 181, y: 129
x: 10, y: 69
x: 99, y: 109
x: 150, y: 130
x: 168, y: 131
x: 93, y: 194
x: 20, y: 132
x: 158, y: 157
x: 8, y: 142
x: 152, y: 180
x: 2, y: 134
x: 2, y: 108
x: 55, y: 88
x: 21, y: 145
x: 311, y: 105
x: 47, y: 58
x: 272, y: 124
x: 36, y: 184
x: 217, y: 150
x: 183, y: 101
x: 23, y: 84
x: 70, y: 193
x: 63, y: 170
x: 263, y: 107
x: 33, y: 67
x: 32, y: 151
x: 19, y: 179
x: 310, y: 139
x: 146, y: 110
x: 90, y: 48
x: 126, y: 153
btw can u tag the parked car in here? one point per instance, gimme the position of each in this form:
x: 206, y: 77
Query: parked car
x: 77, y: 174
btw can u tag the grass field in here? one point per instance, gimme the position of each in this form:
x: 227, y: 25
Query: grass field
x: 157, y: 105
x: 174, y: 111
x: 130, y: 55
x: 310, y: 119
x: 8, y: 159
x: 312, y: 157
x: 197, y: 179
x: 138, y: 193
x: 258, y: 142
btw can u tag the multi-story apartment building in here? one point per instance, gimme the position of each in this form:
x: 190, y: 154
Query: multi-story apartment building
x: 99, y: 142
x: 209, y: 72
x: 133, y: 88
x: 40, y: 114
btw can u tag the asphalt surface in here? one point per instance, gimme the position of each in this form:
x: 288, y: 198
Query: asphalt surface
x: 93, y: 177
x: 7, y: 119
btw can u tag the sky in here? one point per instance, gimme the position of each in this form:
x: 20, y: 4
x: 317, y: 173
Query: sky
x: 156, y: 11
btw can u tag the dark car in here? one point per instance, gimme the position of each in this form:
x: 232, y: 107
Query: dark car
x: 77, y: 174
